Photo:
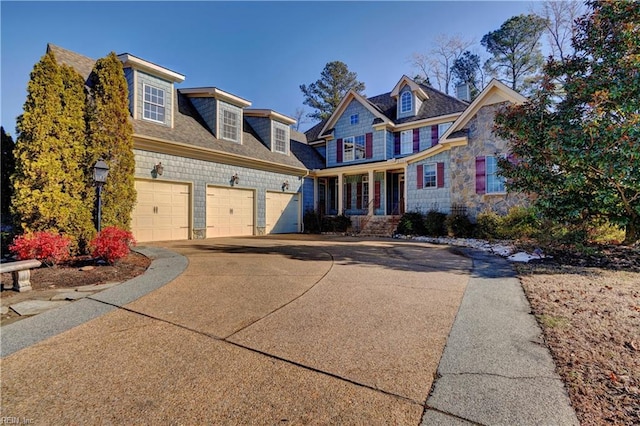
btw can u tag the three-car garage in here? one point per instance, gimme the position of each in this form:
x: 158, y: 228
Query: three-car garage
x: 163, y: 211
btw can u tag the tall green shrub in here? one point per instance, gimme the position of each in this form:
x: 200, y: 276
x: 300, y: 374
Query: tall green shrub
x: 111, y: 138
x: 49, y: 193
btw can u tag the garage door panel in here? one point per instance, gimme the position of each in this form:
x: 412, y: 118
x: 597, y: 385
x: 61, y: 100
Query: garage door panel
x: 230, y: 212
x: 161, y: 212
x: 283, y: 213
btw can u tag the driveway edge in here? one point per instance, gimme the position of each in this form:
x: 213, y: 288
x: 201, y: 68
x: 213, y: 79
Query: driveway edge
x: 165, y: 266
x: 496, y: 368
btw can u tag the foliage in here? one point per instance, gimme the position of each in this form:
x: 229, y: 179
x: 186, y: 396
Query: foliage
x: 434, y: 223
x: 459, y: 225
x: 515, y: 49
x: 312, y: 221
x: 48, y: 247
x: 488, y: 225
x: 111, y: 138
x: 467, y: 70
x: 520, y: 222
x: 578, y: 149
x: 48, y: 183
x: 7, y: 168
x: 112, y: 244
x: 411, y: 223
x: 326, y: 93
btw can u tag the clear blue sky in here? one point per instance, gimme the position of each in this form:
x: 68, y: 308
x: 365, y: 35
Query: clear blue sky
x: 260, y: 51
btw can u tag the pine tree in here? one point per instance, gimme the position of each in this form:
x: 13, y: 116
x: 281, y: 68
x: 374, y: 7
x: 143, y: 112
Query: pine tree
x: 111, y: 138
x: 48, y: 181
x: 6, y: 170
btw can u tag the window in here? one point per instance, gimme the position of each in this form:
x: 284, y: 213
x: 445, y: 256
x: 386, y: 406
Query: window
x: 353, y: 148
x: 153, y: 104
x: 406, y: 101
x: 354, y: 119
x: 279, y: 140
x: 230, y: 125
x: 495, y: 183
x: 444, y: 127
x: 406, y: 142
x: 430, y: 180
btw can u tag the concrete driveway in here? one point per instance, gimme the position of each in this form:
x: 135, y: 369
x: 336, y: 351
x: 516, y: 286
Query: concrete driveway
x: 262, y: 330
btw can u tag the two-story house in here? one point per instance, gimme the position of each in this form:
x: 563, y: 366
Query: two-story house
x: 209, y: 165
x: 412, y: 149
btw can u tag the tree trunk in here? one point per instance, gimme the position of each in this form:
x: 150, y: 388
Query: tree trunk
x: 632, y: 232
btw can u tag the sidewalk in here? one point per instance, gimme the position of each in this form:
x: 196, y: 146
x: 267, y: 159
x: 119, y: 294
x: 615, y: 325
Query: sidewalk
x: 496, y: 369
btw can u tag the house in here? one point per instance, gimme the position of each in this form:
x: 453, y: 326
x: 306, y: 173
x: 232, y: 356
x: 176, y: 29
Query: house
x: 210, y: 165
x: 412, y: 149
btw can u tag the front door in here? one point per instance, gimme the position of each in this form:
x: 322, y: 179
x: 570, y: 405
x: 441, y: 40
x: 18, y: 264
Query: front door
x: 395, y: 193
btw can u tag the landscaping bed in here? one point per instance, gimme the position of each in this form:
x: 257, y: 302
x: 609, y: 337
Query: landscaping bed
x: 83, y: 270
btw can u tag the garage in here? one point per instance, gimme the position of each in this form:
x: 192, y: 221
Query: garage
x: 283, y: 213
x: 230, y: 212
x: 161, y: 212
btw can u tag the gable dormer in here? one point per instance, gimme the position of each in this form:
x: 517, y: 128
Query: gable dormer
x: 272, y: 128
x: 222, y: 111
x: 409, y: 97
x: 151, y: 94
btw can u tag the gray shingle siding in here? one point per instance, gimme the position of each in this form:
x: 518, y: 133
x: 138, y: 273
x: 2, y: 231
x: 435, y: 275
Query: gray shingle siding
x: 262, y: 127
x: 147, y: 79
x: 128, y: 75
x: 207, y: 107
x: 425, y: 199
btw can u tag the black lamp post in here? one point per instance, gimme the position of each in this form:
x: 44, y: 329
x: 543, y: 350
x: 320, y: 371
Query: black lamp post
x: 100, y: 173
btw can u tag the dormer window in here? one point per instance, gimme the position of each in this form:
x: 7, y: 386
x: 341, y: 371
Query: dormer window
x: 154, y: 104
x: 406, y: 101
x: 279, y: 139
x: 229, y: 123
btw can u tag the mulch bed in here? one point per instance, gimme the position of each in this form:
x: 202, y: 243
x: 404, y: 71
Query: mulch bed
x: 83, y: 270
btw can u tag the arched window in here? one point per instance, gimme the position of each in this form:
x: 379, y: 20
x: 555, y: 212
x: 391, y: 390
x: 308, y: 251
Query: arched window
x: 405, y: 102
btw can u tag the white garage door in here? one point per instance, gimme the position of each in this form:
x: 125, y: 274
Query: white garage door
x: 283, y: 213
x: 161, y: 212
x: 230, y: 212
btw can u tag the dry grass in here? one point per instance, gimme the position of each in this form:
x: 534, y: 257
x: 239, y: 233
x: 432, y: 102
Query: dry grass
x: 591, y: 322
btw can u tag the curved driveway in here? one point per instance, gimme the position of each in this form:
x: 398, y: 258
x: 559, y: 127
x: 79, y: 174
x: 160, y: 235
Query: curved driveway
x: 262, y: 330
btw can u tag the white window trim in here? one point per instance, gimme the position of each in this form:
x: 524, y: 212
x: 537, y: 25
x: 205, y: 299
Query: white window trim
x: 285, y: 129
x: 425, y: 169
x: 222, y: 108
x: 495, y: 175
x: 408, y: 135
x: 402, y: 96
x: 349, y: 152
x: 144, y: 101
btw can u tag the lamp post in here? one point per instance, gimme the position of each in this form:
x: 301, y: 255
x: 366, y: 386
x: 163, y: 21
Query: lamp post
x: 100, y: 173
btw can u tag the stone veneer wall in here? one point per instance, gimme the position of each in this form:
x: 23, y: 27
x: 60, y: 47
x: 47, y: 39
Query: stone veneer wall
x: 202, y: 173
x: 482, y: 142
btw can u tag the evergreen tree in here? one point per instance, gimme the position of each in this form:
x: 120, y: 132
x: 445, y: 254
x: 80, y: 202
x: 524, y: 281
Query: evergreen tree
x: 7, y: 167
x: 48, y: 184
x: 466, y: 70
x: 578, y: 148
x: 111, y: 138
x: 326, y: 93
x: 515, y: 49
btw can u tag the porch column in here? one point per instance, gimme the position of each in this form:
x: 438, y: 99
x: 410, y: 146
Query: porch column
x: 404, y: 196
x: 315, y: 194
x: 340, y: 190
x: 372, y: 194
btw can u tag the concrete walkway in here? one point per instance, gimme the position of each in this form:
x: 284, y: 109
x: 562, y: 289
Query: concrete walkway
x: 291, y: 330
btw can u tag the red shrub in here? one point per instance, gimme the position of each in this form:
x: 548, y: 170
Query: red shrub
x: 112, y: 244
x: 47, y: 247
